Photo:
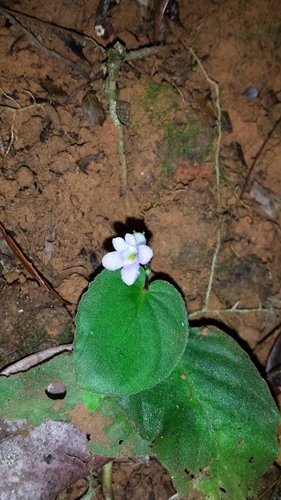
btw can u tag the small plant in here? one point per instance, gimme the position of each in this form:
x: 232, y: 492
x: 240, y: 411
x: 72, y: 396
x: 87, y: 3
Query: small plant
x: 122, y: 319
x: 193, y: 394
x: 189, y: 396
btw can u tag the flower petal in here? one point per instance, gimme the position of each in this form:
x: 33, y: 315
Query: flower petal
x: 130, y: 273
x: 113, y: 261
x: 119, y: 244
x: 145, y: 254
x: 139, y: 238
x: 129, y: 238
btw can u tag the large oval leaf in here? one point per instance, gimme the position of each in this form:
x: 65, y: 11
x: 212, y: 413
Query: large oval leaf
x: 213, y: 421
x: 128, y: 338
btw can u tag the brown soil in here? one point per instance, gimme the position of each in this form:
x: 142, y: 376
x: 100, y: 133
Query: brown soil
x: 63, y: 193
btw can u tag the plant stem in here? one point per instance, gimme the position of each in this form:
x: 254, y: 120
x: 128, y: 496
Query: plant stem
x: 107, y: 481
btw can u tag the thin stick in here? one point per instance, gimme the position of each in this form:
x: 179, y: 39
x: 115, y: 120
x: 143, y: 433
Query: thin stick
x: 12, y: 135
x: 234, y: 310
x: 212, y: 272
x: 29, y: 266
x: 9, y: 97
x: 107, y: 481
x: 18, y: 109
x: 115, y: 58
x: 34, y: 359
x: 217, y: 169
x: 34, y: 41
x: 269, y: 488
x: 249, y: 174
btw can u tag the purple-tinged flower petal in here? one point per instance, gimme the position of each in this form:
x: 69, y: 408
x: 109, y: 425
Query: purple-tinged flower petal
x: 113, y: 261
x: 145, y: 254
x: 130, y: 273
x: 139, y: 239
x: 119, y: 244
x: 129, y: 238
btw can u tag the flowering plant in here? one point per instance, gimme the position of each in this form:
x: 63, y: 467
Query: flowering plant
x: 150, y: 337
x: 178, y: 386
x: 154, y: 385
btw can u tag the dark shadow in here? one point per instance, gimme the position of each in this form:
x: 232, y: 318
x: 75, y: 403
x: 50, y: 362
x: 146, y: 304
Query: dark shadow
x: 94, y: 274
x: 120, y: 229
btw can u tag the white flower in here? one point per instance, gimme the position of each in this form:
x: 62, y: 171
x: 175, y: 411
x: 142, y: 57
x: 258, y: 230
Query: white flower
x: 130, y: 253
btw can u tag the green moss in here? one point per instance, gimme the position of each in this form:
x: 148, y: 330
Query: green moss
x: 189, y: 139
x: 159, y: 98
x: 179, y: 136
x: 167, y: 167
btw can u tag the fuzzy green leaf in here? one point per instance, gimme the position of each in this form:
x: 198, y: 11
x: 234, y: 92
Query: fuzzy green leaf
x: 212, y: 422
x: 128, y: 338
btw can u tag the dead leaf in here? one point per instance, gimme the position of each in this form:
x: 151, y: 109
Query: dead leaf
x: 40, y: 462
x: 93, y: 109
x: 268, y: 201
x: 84, y: 162
x: 123, y: 112
x: 53, y: 89
x: 205, y: 105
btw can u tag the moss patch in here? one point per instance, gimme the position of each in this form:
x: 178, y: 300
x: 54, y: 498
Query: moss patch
x: 174, y: 135
x: 159, y: 98
x: 189, y: 140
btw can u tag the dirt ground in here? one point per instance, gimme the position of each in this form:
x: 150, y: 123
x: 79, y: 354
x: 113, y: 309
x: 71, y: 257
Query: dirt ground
x: 64, y: 192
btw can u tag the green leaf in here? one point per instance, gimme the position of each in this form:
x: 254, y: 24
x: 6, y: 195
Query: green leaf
x: 128, y: 338
x: 22, y: 396
x: 212, y: 421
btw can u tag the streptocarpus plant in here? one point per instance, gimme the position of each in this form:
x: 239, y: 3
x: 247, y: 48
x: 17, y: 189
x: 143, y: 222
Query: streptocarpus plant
x: 193, y: 394
x: 189, y: 396
x: 128, y: 338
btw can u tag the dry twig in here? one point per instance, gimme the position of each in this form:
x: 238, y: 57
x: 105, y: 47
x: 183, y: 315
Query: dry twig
x: 34, y: 359
x: 34, y: 41
x: 29, y: 266
x: 217, y: 168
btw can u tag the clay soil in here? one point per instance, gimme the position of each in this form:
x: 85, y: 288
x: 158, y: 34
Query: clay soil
x: 64, y: 192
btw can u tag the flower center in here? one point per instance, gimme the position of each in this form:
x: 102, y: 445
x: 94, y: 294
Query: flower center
x: 131, y: 258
